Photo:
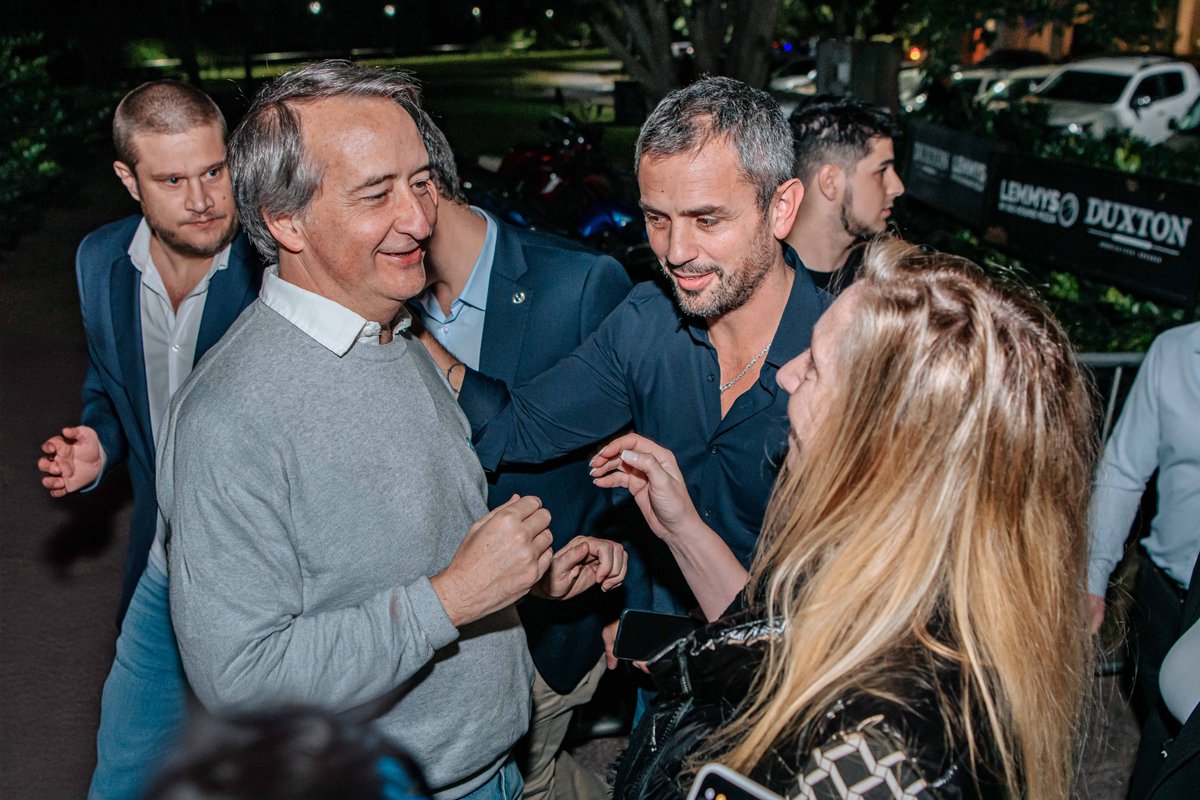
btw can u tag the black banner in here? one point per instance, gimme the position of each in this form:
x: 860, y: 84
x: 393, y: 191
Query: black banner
x: 949, y: 170
x: 1132, y: 231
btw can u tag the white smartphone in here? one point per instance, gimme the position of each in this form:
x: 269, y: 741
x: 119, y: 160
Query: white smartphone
x: 718, y: 782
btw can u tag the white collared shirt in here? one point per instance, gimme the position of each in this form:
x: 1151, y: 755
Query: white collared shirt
x: 168, y: 334
x: 329, y: 323
x: 169, y: 338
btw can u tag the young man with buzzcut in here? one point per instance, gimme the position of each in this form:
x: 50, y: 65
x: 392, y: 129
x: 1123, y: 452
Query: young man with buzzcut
x: 157, y: 290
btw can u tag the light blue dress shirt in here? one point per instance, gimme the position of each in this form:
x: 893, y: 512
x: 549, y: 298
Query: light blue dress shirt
x: 1159, y: 429
x: 461, y: 331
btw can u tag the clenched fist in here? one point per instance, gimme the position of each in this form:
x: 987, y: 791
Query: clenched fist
x: 504, y: 554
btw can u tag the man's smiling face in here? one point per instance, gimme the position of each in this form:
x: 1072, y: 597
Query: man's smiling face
x: 713, y: 241
x: 363, y: 236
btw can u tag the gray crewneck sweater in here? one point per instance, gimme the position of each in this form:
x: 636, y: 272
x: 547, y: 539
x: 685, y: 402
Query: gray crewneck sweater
x: 309, y: 498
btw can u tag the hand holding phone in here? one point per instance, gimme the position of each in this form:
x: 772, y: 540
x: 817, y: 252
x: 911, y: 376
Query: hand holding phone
x: 643, y: 634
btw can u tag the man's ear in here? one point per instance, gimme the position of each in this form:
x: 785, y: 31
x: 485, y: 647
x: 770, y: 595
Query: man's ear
x: 288, y: 231
x: 129, y: 178
x: 784, y: 206
x: 831, y: 182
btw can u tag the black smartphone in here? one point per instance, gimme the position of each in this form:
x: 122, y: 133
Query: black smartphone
x: 643, y: 634
x: 718, y: 782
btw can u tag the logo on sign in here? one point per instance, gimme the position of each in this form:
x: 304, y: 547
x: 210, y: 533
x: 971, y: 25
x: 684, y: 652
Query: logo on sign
x: 929, y: 159
x: 1040, y: 203
x: 1068, y: 209
x: 1137, y: 227
x: 969, y: 173
x: 1144, y: 233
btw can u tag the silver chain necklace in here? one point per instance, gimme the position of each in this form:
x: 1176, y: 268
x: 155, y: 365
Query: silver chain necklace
x: 746, y: 369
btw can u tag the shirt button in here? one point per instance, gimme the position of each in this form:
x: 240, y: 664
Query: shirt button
x: 711, y: 377
x: 708, y: 513
x: 713, y: 450
x: 445, y: 329
x: 174, y: 348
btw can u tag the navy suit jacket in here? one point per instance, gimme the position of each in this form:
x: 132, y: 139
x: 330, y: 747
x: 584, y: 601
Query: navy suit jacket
x: 546, y: 296
x: 115, y: 402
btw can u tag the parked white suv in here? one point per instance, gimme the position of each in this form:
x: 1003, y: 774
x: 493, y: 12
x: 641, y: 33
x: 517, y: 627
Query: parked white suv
x: 1141, y: 95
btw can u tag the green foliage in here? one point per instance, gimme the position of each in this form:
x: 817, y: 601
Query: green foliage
x: 799, y: 20
x: 1099, y: 318
x: 45, y: 127
x: 140, y: 51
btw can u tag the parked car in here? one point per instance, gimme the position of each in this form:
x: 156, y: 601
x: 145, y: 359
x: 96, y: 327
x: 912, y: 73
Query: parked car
x: 1015, y: 85
x: 798, y: 75
x: 1185, y: 133
x: 1141, y: 95
x: 978, y: 81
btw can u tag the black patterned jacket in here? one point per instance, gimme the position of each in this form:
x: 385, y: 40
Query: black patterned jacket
x: 866, y: 747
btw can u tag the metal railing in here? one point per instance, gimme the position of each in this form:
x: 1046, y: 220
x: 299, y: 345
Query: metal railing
x: 1111, y: 660
x: 1117, y: 362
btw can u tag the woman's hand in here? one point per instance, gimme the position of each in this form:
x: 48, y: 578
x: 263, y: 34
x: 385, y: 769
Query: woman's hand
x: 649, y: 471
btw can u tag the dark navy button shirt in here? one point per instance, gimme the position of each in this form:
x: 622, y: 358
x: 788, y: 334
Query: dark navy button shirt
x: 650, y: 366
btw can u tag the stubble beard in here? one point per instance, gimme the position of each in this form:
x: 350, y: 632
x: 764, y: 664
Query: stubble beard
x: 854, y: 227
x: 167, y: 234
x: 733, y: 289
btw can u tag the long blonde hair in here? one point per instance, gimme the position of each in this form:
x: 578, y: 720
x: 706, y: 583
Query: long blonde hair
x: 936, y: 519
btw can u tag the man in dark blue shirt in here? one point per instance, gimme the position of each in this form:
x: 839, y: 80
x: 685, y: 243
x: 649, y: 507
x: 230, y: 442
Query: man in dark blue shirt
x: 695, y: 373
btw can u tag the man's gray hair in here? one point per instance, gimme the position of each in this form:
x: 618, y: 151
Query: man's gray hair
x: 750, y: 119
x: 442, y: 167
x: 272, y: 173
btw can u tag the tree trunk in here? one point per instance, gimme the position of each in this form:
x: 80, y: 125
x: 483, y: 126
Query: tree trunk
x: 728, y: 38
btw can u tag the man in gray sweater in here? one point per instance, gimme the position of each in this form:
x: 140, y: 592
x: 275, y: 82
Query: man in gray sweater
x: 329, y: 536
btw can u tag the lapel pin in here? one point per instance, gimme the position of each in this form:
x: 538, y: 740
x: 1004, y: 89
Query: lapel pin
x: 518, y: 298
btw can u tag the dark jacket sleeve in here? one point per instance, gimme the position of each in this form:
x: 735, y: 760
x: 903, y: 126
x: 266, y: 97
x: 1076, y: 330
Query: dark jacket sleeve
x: 581, y: 400
x: 98, y: 410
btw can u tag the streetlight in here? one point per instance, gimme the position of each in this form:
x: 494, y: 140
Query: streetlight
x: 549, y: 13
x: 314, y: 8
x: 389, y: 10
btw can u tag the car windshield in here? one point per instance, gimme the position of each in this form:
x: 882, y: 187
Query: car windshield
x: 1086, y: 87
x: 1019, y: 87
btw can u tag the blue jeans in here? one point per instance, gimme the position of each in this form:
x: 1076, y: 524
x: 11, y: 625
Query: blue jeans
x: 507, y: 784
x: 144, y: 704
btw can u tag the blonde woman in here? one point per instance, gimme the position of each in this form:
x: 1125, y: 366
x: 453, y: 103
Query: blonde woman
x: 913, y: 624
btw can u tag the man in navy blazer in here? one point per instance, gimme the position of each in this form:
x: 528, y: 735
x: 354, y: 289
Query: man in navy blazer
x: 512, y: 302
x: 115, y: 403
x: 157, y: 290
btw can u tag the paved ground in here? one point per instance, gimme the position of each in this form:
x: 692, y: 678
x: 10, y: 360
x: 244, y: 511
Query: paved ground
x: 60, y: 561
